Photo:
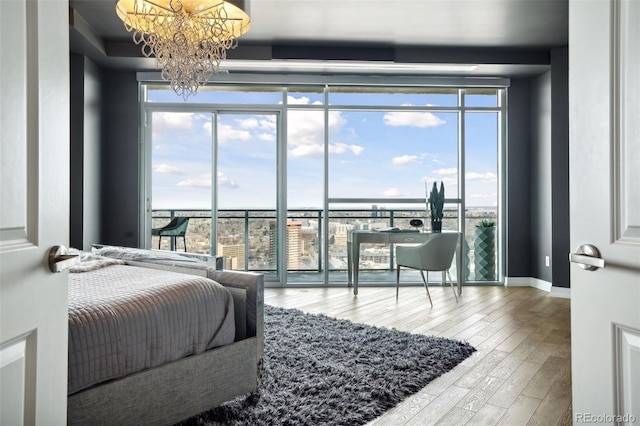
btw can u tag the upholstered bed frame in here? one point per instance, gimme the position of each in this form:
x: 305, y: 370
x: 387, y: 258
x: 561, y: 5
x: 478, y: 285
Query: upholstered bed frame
x: 183, y: 388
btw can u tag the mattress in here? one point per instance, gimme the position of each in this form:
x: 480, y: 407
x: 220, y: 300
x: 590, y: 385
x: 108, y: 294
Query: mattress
x: 124, y: 319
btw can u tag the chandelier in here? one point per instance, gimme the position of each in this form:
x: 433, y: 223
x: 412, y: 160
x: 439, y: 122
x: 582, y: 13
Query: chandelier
x: 188, y: 38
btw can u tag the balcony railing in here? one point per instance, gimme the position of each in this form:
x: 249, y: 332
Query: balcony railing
x: 246, y: 237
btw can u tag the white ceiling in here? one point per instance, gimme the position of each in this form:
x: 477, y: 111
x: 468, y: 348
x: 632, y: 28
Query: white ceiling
x: 502, y: 37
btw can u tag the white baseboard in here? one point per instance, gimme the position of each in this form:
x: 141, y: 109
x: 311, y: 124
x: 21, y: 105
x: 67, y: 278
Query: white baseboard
x: 562, y: 292
x: 553, y: 291
x: 517, y: 282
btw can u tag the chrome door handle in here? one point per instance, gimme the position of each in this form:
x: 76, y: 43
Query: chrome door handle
x: 587, y: 257
x: 60, y: 259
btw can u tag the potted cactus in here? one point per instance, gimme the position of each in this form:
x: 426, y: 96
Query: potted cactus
x: 436, y: 205
x: 484, y: 251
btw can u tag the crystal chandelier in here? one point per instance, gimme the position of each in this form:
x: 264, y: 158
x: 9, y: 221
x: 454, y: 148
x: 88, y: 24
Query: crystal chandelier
x: 188, y: 38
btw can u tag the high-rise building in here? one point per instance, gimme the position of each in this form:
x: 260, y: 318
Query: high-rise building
x: 233, y: 256
x: 294, y: 244
x: 341, y: 233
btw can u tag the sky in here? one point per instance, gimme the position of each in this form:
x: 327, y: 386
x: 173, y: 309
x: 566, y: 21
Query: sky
x: 372, y: 154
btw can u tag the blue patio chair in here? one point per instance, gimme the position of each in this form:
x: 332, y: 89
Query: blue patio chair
x: 174, y: 229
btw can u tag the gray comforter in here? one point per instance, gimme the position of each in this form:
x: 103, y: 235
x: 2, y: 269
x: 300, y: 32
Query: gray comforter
x: 124, y: 319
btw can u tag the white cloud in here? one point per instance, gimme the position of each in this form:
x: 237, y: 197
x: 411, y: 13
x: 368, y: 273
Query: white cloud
x: 432, y: 157
x: 268, y: 122
x: 341, y: 148
x: 305, y: 128
x: 404, y: 159
x: 167, y: 169
x: 227, y: 133
x: 249, y: 123
x: 449, y: 171
x: 171, y: 120
x: 317, y: 149
x: 204, y: 181
x: 482, y: 177
x: 225, y: 181
x: 392, y: 192
x: 267, y: 137
x: 303, y: 100
x: 412, y: 119
x: 447, y: 180
x: 483, y: 199
x: 165, y: 121
x: 356, y: 149
x: 258, y: 122
x: 306, y: 134
x: 306, y: 150
x: 258, y: 127
x: 470, y: 176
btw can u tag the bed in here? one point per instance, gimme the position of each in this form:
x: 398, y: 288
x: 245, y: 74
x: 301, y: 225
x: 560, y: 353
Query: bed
x: 156, y: 337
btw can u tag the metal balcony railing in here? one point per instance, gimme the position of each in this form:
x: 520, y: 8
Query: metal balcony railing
x: 246, y: 235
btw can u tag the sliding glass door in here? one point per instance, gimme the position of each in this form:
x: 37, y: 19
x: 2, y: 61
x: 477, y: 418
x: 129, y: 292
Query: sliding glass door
x: 180, y: 153
x: 246, y: 170
x: 219, y: 169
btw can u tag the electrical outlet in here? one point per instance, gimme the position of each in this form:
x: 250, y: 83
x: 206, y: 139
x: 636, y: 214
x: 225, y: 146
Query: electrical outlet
x: 546, y: 261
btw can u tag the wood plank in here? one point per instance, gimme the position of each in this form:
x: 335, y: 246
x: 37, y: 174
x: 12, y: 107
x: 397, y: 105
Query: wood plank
x: 437, y: 408
x: 456, y: 416
x: 401, y: 413
x: 511, y: 388
x: 480, y: 394
x: 545, y: 377
x: 488, y: 415
x: 471, y: 378
x: 520, y: 411
x: 553, y: 406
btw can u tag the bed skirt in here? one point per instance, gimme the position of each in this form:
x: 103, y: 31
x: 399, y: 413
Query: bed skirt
x: 161, y: 396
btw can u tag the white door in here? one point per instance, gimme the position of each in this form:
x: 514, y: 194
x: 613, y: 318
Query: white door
x: 34, y: 209
x: 604, y: 99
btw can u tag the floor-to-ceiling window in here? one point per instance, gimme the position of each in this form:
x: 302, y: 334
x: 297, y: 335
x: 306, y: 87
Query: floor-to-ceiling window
x: 305, y: 123
x: 179, y: 167
x: 274, y: 177
x: 246, y: 171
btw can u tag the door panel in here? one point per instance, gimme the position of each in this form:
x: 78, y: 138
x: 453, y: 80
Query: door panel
x: 34, y: 210
x: 246, y: 171
x: 220, y: 170
x: 180, y: 158
x: 604, y: 58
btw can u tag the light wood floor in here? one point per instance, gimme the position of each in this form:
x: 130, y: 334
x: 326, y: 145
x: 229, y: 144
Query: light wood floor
x: 520, y: 374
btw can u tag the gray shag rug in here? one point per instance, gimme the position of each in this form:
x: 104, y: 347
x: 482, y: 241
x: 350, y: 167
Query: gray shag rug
x: 322, y: 371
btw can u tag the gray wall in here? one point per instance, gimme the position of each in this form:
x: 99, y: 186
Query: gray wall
x: 560, y: 244
x: 541, y: 176
x: 518, y: 176
x: 121, y: 159
x: 85, y: 156
x: 550, y: 172
x: 104, y: 156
